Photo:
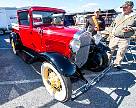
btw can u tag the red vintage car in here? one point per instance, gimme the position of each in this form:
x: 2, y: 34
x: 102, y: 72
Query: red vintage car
x: 63, y: 51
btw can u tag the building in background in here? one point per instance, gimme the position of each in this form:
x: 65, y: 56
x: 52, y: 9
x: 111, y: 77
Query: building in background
x: 80, y: 18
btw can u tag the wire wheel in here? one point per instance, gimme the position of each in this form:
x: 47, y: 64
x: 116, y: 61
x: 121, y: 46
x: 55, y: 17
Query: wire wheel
x: 56, y: 84
x: 13, y: 46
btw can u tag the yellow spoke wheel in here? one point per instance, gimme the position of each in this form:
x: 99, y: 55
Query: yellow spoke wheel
x: 13, y: 46
x: 56, y: 84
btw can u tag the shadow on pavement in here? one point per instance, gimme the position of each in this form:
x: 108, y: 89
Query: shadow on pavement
x: 95, y: 97
x: 15, y: 77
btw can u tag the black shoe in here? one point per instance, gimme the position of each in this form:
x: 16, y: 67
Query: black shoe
x: 118, y: 67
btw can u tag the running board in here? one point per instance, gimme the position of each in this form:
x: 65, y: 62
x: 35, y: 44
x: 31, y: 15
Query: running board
x: 28, y: 53
x: 26, y: 56
x: 76, y: 93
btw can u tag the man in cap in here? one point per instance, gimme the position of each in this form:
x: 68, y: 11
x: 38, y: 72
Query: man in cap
x: 95, y: 23
x: 123, y: 27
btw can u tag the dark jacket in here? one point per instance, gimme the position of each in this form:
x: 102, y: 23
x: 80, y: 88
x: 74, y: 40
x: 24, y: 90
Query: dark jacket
x: 90, y: 25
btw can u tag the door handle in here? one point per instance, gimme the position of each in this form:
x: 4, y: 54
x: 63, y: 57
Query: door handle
x: 40, y: 32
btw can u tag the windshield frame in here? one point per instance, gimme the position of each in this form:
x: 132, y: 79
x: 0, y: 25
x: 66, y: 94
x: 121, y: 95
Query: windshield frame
x: 45, y: 17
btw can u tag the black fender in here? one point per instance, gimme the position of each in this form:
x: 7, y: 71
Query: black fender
x: 13, y: 36
x: 16, y: 40
x: 62, y: 64
x: 103, y: 47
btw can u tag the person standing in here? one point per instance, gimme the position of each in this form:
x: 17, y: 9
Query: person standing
x: 95, y: 23
x: 123, y: 27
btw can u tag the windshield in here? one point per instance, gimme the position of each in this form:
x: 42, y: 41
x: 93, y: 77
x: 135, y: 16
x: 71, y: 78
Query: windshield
x: 47, y: 18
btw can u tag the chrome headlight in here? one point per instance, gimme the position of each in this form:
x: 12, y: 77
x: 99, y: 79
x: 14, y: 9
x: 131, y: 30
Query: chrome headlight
x: 75, y: 45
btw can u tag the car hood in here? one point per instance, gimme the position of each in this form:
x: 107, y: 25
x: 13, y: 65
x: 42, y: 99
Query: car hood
x: 60, y: 30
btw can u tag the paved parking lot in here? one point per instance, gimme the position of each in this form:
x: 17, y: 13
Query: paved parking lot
x: 22, y: 87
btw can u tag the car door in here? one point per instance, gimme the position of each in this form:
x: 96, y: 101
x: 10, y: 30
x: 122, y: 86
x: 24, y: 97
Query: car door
x: 25, y: 29
x: 37, y: 30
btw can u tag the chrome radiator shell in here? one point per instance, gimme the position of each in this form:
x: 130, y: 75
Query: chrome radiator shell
x: 83, y: 53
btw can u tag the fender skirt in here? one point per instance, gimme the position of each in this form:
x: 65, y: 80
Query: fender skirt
x: 62, y: 64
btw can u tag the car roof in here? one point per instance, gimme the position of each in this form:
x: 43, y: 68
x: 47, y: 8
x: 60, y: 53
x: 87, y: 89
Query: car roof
x: 39, y: 8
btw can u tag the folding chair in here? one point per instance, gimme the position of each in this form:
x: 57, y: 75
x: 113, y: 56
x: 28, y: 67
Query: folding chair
x: 129, y: 50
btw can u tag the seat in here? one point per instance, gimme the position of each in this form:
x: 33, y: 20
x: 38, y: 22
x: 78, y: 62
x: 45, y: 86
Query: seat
x: 47, y: 20
x: 24, y: 22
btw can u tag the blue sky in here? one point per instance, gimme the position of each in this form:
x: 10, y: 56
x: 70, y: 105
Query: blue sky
x: 68, y: 5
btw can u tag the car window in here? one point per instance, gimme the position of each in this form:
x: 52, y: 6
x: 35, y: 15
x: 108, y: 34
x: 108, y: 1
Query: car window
x: 48, y: 18
x: 41, y: 17
x: 24, y: 18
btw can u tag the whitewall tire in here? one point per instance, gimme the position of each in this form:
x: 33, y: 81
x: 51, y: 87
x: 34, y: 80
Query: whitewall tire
x: 56, y: 84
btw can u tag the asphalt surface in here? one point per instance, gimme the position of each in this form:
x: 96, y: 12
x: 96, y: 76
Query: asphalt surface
x: 22, y: 87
